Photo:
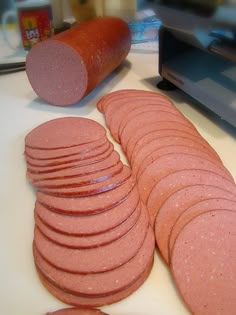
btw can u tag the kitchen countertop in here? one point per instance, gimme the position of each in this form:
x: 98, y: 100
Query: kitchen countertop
x: 20, y: 289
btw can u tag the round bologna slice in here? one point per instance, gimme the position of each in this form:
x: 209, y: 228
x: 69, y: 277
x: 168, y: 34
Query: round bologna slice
x: 91, y: 240
x: 90, y: 223
x: 89, y: 204
x: 80, y: 180
x: 65, y: 68
x: 171, y: 163
x: 104, y: 283
x: 176, y: 204
x: 64, y: 133
x: 107, y: 163
x: 109, y: 100
x: 162, y: 125
x: 69, y: 158
x: 171, y: 133
x: 73, y: 160
x: 148, y: 118
x: 159, y: 106
x: 77, y: 311
x: 177, y: 149
x: 104, y: 101
x: 38, y: 154
x: 195, y: 210
x: 123, y: 105
x: 92, y: 189
x: 122, y: 117
x: 94, y: 260
x: 78, y: 300
x: 150, y: 151
x: 204, y: 263
x: 81, y: 160
x: 179, y: 179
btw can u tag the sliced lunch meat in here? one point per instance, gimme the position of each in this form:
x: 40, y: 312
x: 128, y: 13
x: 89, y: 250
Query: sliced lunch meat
x: 107, y: 163
x: 125, y: 94
x: 176, y: 204
x: 65, y: 68
x: 64, y: 133
x: 176, y: 149
x: 195, y: 210
x: 72, y: 158
x: 91, y: 223
x: 92, y: 189
x: 180, y: 179
x: 80, y: 180
x: 170, y: 163
x: 204, y: 262
x: 96, y: 156
x: 104, y: 283
x: 78, y: 300
x: 148, y: 118
x: 98, y: 259
x: 169, y: 133
x: 105, y: 100
x: 39, y: 154
x: 150, y: 151
x: 163, y: 125
x: 91, y: 241
x: 122, y: 105
x: 118, y: 121
x: 90, y: 204
x: 77, y: 311
x: 147, y: 108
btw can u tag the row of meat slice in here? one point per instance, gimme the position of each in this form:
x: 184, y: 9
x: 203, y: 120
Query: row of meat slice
x: 189, y: 194
x: 93, y: 244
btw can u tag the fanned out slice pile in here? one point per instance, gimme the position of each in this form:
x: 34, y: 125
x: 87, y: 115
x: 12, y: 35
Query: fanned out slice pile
x: 88, y: 212
x: 189, y: 194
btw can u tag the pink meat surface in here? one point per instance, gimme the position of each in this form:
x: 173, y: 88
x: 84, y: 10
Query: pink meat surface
x: 75, y: 160
x: 92, y: 189
x: 108, y: 162
x: 176, y: 204
x: 104, y: 283
x: 78, y: 300
x: 204, y: 261
x: 163, y: 125
x: 40, y: 154
x: 64, y: 133
x: 195, y: 210
x: 90, y: 223
x: 89, y: 204
x: 98, y: 259
x: 66, y: 67
x: 148, y: 118
x: 89, y: 241
x: 155, y: 135
x: 81, y: 180
x: 171, y: 163
x: 180, y: 179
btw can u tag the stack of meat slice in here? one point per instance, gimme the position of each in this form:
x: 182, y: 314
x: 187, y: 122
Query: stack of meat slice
x: 189, y: 194
x: 93, y: 244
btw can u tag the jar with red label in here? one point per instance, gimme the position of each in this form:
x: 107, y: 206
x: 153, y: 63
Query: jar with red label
x: 34, y: 19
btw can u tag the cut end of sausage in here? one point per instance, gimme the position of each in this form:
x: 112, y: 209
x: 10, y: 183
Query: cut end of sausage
x: 61, y: 79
